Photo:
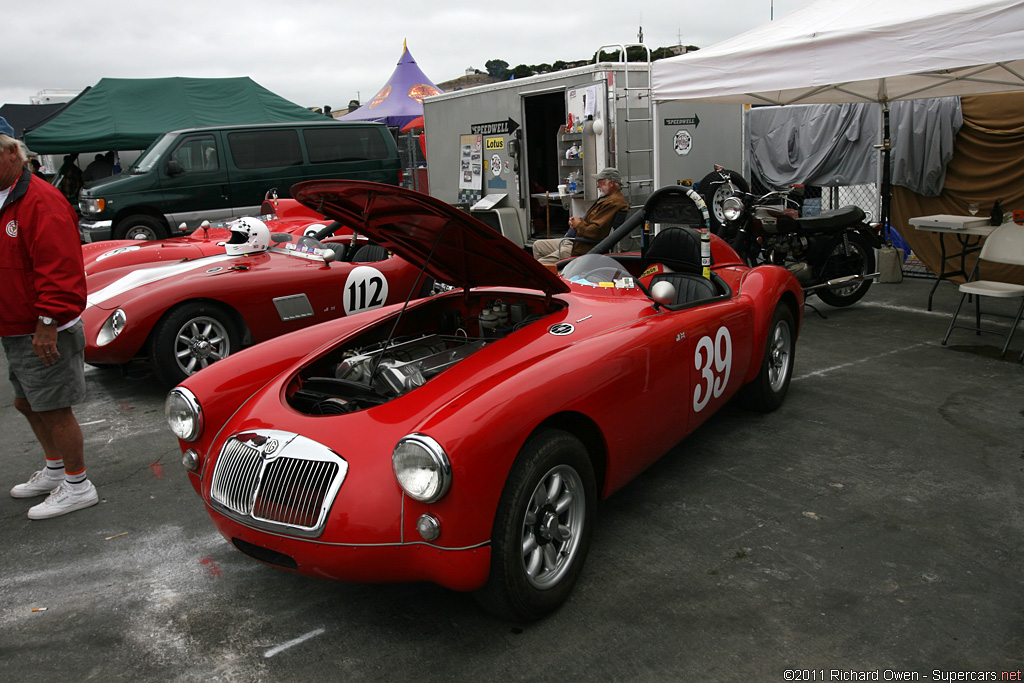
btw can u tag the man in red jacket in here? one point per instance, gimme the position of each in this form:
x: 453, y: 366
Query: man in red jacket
x: 40, y: 307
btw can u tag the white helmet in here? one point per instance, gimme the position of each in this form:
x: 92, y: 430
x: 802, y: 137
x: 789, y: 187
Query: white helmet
x: 248, y: 236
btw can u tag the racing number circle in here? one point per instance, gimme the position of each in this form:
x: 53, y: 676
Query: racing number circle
x: 366, y: 288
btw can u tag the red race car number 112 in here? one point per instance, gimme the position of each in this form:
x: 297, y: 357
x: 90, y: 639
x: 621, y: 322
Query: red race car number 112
x: 365, y: 288
x: 713, y: 358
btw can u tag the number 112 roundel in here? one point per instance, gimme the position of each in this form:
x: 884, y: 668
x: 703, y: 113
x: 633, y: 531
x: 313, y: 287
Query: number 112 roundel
x: 366, y: 288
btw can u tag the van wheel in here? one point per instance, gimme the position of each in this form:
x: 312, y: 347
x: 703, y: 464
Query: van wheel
x: 140, y: 227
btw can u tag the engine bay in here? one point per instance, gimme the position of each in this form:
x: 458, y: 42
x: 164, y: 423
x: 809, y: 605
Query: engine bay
x: 380, y: 364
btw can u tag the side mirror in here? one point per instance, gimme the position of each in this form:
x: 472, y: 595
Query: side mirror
x: 663, y: 293
x: 279, y: 237
x: 330, y: 255
x: 174, y: 168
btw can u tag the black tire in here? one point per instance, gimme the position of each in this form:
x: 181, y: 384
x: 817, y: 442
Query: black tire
x: 190, y: 337
x: 715, y: 192
x: 140, y: 227
x: 768, y: 390
x: 859, y: 259
x: 537, y: 549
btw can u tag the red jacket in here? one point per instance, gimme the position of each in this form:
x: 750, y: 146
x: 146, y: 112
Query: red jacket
x: 41, y: 268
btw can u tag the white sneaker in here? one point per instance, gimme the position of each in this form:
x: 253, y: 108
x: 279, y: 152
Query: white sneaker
x: 63, y: 500
x: 40, y: 483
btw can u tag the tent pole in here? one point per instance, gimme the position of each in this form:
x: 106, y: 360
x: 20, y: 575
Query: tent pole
x: 886, y: 148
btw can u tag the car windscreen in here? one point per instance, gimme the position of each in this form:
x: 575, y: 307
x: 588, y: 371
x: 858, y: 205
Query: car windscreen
x: 599, y: 270
x: 151, y: 157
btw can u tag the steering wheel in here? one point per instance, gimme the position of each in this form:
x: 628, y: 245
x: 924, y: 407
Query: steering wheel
x: 327, y: 230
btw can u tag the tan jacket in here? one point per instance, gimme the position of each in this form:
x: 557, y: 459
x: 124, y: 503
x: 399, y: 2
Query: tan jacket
x: 597, y: 222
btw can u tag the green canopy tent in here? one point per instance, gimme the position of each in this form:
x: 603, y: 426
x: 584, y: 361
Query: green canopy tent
x: 129, y: 113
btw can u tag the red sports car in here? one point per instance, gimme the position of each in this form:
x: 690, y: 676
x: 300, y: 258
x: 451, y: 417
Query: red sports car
x: 467, y: 438
x: 284, y: 215
x: 183, y: 303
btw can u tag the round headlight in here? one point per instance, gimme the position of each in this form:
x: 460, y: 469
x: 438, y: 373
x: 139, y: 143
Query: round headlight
x: 422, y: 468
x: 732, y: 208
x: 184, y: 416
x: 113, y: 326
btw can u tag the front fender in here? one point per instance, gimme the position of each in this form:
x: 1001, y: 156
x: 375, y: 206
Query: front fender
x: 768, y: 286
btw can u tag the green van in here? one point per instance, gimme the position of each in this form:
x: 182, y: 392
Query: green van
x: 187, y: 176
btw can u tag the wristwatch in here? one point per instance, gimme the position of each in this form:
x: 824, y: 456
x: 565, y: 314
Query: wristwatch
x: 47, y: 320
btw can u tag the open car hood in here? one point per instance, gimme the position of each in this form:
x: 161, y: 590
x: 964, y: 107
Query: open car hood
x: 462, y: 251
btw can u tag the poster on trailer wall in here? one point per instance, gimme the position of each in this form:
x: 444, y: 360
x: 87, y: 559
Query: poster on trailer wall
x: 470, y: 162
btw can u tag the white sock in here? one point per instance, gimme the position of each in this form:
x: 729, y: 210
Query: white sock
x: 78, y: 481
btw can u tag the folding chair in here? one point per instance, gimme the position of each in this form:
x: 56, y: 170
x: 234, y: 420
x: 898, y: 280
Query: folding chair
x: 1004, y: 245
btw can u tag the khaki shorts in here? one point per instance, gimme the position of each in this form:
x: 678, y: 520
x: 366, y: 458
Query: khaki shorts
x: 48, y: 387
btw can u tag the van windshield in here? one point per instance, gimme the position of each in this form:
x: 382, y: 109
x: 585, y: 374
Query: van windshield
x: 151, y: 157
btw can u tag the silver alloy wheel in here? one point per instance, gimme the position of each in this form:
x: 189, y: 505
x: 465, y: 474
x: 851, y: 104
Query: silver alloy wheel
x: 780, y: 355
x: 553, y: 526
x: 199, y: 342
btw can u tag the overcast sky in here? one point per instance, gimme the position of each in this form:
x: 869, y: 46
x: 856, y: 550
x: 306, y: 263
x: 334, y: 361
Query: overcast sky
x: 317, y: 52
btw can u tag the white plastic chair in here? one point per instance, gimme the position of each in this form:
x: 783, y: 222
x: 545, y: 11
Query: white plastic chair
x: 1004, y: 245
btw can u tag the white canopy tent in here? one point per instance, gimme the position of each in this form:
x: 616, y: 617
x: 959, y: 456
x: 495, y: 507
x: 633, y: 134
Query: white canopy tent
x: 832, y: 51
x: 856, y: 51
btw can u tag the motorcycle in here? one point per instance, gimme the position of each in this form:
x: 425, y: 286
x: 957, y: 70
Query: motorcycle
x: 831, y: 255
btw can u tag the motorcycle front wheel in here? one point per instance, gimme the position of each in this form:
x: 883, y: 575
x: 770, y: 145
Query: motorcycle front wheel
x: 715, y: 191
x: 855, y: 256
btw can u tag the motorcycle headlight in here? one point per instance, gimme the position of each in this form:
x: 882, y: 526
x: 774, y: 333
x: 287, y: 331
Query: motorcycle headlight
x: 732, y: 208
x: 421, y: 468
x: 113, y: 326
x: 184, y: 414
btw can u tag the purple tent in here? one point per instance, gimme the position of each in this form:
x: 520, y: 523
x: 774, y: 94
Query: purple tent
x: 401, y: 98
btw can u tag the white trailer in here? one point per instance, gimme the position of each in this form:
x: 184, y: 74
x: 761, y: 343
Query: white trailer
x: 503, y: 150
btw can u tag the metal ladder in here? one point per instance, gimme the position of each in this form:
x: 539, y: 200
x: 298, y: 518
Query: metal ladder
x: 638, y: 170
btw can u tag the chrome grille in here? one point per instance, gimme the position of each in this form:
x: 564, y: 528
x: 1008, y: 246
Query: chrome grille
x: 236, y: 476
x: 293, y: 492
x: 277, y: 479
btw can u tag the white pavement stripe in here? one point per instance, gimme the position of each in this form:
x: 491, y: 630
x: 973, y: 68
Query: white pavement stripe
x: 278, y: 649
x: 825, y: 371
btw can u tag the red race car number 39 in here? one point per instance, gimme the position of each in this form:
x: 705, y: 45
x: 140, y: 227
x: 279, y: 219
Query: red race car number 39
x: 713, y: 358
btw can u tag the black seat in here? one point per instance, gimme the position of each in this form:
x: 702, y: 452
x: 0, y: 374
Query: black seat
x: 675, y: 248
x: 689, y: 287
x: 678, y: 249
x: 368, y: 253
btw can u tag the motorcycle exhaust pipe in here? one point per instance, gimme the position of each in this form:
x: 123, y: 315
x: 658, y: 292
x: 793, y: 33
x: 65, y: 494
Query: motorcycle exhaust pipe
x: 845, y: 280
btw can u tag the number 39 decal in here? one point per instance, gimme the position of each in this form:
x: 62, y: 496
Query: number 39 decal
x: 714, y: 360
x: 365, y: 288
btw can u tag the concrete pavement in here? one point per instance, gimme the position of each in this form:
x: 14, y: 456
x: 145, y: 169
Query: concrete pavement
x: 872, y: 525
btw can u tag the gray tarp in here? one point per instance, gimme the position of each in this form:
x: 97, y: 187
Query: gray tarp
x: 834, y: 144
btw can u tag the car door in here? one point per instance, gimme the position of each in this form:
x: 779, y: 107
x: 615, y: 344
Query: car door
x: 263, y: 159
x: 194, y: 180
x: 717, y: 351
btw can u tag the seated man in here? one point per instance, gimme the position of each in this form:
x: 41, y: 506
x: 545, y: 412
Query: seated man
x: 595, y: 225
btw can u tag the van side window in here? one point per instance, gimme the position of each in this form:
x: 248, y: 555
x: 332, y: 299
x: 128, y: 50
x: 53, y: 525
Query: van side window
x: 265, y: 148
x: 342, y: 143
x: 197, y: 154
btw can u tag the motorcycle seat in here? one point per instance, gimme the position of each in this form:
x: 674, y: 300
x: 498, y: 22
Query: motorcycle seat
x: 836, y: 219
